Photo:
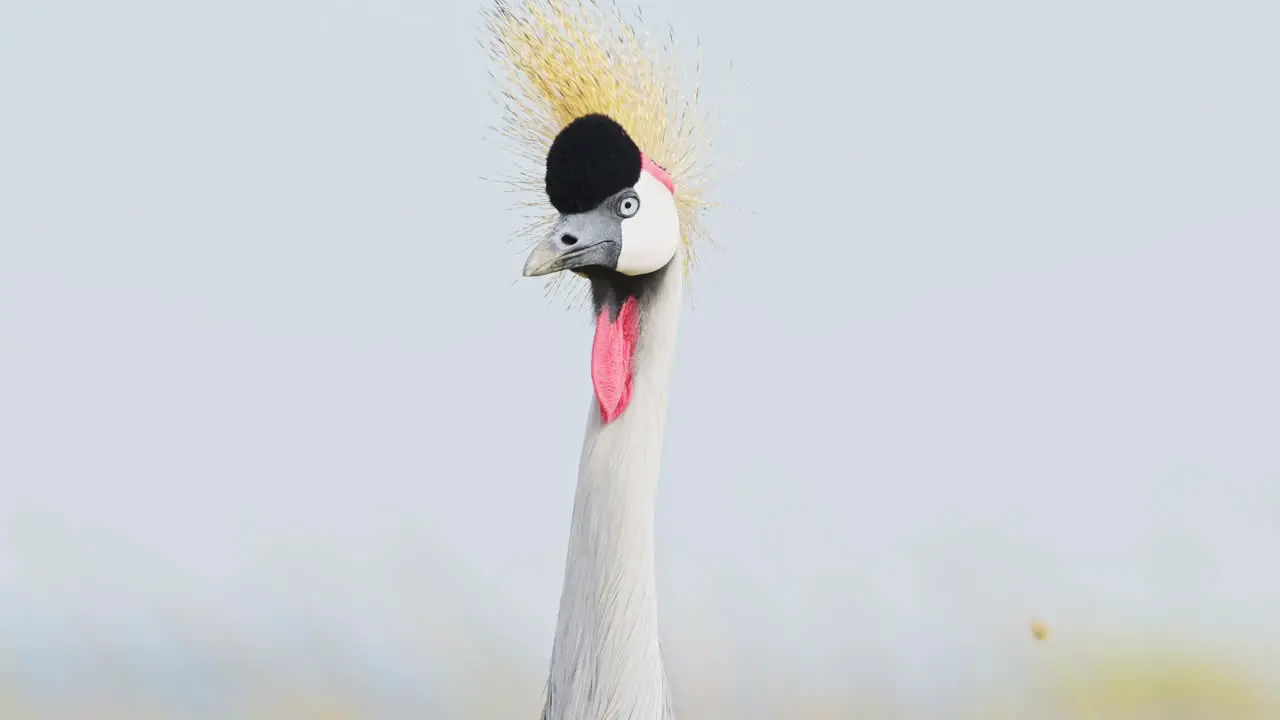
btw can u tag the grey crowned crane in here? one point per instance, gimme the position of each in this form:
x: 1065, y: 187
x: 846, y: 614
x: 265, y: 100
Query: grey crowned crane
x: 614, y: 157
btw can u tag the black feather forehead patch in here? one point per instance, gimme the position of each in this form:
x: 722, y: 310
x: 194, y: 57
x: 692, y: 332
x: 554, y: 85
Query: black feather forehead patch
x: 591, y: 159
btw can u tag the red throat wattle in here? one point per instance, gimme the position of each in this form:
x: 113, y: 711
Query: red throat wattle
x: 612, y: 357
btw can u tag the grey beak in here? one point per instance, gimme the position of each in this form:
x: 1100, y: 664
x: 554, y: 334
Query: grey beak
x: 590, y: 239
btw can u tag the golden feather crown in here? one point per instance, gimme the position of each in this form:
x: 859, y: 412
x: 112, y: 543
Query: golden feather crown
x: 561, y: 59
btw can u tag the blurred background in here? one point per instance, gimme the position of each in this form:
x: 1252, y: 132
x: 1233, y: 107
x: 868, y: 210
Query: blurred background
x: 987, y: 339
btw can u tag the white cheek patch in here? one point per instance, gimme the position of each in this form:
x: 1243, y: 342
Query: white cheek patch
x: 650, y: 239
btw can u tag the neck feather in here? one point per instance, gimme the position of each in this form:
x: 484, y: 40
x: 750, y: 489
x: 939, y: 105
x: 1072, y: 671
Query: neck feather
x: 606, y: 662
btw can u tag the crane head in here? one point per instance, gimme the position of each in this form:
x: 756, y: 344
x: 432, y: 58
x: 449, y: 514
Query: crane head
x: 607, y: 128
x: 617, y: 208
x: 597, y: 106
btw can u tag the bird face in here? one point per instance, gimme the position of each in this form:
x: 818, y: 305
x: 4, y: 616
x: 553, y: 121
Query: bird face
x: 617, y: 219
x: 617, y: 208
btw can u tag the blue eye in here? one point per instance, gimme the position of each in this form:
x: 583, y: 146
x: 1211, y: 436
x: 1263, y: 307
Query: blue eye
x: 628, y: 206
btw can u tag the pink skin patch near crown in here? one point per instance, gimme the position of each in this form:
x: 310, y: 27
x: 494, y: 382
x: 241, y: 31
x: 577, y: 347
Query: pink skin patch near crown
x: 612, y: 358
x: 656, y: 170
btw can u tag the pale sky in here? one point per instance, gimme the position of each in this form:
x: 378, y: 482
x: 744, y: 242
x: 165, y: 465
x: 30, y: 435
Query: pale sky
x: 990, y: 333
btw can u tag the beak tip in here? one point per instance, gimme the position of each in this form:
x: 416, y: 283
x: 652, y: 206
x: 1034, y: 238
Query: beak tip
x: 539, y: 262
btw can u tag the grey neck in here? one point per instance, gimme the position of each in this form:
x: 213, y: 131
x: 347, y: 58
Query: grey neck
x: 606, y: 663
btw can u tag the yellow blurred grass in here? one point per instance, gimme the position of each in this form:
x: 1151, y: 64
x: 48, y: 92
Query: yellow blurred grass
x: 1077, y: 682
x: 1141, y: 682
